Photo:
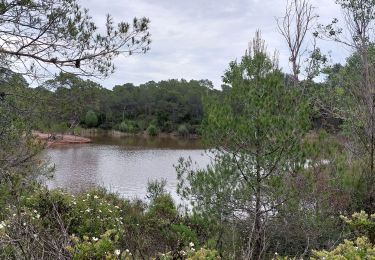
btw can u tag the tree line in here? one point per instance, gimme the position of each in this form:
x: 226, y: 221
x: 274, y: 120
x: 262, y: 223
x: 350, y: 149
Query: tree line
x: 68, y: 101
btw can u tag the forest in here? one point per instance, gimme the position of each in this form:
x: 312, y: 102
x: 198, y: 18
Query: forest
x: 292, y: 174
x: 169, y: 106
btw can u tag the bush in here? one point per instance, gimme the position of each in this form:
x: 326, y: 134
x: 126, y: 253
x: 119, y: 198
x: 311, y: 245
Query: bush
x: 59, y: 128
x: 92, y: 225
x: 142, y: 124
x: 361, y: 248
x: 123, y: 127
x: 190, y: 253
x: 77, y: 130
x: 128, y: 127
x: 156, y: 189
x: 183, y: 130
x: 152, y: 130
x: 91, y: 119
x: 168, y: 127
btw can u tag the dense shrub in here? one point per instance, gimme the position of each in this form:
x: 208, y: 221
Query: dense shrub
x: 91, y: 119
x: 190, y: 253
x: 128, y: 127
x: 92, y: 225
x: 183, y: 130
x: 361, y: 248
x: 59, y: 128
x: 152, y: 130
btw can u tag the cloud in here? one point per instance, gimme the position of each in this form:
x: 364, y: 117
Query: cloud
x: 197, y: 39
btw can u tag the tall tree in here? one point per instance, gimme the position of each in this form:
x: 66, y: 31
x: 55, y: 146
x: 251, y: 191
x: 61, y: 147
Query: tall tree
x: 358, y: 112
x: 255, y: 129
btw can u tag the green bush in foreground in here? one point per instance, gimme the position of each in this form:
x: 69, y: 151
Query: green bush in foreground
x: 361, y: 248
x: 92, y: 225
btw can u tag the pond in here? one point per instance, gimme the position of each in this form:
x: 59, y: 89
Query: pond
x: 122, y: 164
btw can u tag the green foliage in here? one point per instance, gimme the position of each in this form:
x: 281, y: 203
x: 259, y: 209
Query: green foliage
x: 123, y: 127
x: 128, y: 108
x: 361, y: 248
x: 183, y: 130
x: 362, y: 224
x: 152, y: 130
x: 255, y: 130
x: 59, y: 128
x: 96, y: 224
x: 191, y: 254
x: 79, y: 47
x: 128, y: 127
x: 156, y: 189
x: 91, y: 119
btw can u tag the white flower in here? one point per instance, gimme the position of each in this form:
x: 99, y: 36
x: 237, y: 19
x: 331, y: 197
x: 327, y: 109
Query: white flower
x: 35, y: 211
x: 127, y: 251
x: 95, y: 239
x: 116, y: 207
x: 191, y: 244
x: 35, y: 235
x: 193, y: 249
x: 117, y: 252
x: 96, y: 197
x: 24, y: 223
x: 74, y: 203
x: 130, y: 254
x: 2, y: 225
x: 88, y: 210
x: 37, y: 216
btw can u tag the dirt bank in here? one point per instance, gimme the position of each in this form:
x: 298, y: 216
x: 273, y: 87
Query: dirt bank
x: 61, y: 139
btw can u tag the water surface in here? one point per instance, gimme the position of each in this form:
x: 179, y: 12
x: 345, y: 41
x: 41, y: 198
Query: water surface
x: 123, y: 165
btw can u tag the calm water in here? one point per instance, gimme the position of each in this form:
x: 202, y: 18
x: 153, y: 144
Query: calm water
x: 122, y: 165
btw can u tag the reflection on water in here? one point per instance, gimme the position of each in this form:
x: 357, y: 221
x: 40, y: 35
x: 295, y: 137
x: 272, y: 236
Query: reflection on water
x: 123, y: 165
x: 140, y: 142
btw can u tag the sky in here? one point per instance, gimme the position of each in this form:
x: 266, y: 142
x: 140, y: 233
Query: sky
x: 196, y: 39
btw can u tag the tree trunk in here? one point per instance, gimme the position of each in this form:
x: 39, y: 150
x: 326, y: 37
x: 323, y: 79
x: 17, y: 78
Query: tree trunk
x: 257, y: 238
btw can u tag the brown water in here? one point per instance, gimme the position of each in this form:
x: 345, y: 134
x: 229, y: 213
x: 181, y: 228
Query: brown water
x: 123, y: 165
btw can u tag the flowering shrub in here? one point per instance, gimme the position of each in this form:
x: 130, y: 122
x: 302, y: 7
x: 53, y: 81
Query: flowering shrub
x: 88, y: 214
x: 362, y: 224
x: 98, y: 248
x: 191, y: 254
x: 93, y: 225
x: 361, y: 248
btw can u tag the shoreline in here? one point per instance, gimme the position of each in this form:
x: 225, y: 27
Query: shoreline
x: 85, y: 136
x: 115, y: 133
x: 61, y: 139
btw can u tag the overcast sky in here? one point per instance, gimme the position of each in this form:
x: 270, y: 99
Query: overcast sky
x: 196, y: 39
